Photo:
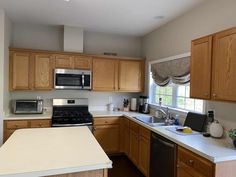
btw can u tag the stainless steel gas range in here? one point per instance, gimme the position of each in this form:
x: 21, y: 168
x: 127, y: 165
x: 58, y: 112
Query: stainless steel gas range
x: 71, y: 112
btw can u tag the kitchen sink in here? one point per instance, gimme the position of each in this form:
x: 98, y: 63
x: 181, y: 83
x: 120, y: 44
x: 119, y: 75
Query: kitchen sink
x: 151, y: 120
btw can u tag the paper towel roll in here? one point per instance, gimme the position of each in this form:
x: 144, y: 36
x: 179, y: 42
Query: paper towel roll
x: 133, y: 106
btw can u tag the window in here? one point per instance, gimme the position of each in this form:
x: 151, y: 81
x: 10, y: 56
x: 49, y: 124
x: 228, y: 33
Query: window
x: 176, y: 96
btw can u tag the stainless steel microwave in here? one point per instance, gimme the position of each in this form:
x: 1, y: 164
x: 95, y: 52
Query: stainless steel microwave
x: 72, y: 79
x: 27, y: 106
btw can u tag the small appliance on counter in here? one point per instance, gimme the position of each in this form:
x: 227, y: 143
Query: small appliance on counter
x: 216, y: 129
x: 143, y: 105
x: 26, y: 106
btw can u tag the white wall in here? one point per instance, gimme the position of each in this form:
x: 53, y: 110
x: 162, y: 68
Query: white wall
x: 2, y: 16
x: 175, y: 38
x: 5, y: 36
x: 98, y: 43
x: 37, y: 37
x: 51, y: 38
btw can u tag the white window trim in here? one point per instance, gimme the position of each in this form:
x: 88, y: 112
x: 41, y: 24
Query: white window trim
x: 176, y: 57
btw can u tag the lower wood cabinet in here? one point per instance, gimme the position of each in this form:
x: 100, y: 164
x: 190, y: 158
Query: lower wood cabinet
x: 12, y: 125
x: 134, y: 147
x: 107, y: 133
x: 192, y: 165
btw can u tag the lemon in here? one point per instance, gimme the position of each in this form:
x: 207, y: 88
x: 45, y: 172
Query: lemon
x: 187, y: 130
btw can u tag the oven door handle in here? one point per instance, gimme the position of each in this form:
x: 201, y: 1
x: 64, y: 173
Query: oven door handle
x: 71, y: 125
x: 82, y: 80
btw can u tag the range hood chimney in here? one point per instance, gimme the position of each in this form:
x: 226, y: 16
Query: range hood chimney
x: 73, y: 39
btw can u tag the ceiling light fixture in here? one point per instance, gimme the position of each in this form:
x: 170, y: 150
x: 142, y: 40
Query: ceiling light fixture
x: 67, y: 0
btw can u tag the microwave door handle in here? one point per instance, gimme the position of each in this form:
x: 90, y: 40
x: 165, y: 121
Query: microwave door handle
x: 82, y: 80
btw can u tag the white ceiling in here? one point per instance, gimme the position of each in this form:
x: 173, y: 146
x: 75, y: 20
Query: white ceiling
x: 127, y: 17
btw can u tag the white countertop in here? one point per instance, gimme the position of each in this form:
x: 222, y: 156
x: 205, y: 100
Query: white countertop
x: 215, y: 150
x: 28, y: 116
x: 51, y: 151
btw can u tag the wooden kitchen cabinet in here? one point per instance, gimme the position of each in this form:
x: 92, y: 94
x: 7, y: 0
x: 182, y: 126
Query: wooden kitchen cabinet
x: 40, y: 123
x: 134, y: 143
x: 192, y: 165
x: 20, y: 71
x: 43, y: 71
x: 201, y: 57
x: 144, y: 150
x: 107, y: 132
x: 224, y: 66
x: 105, y: 74
x: 126, y: 136
x: 130, y: 75
x: 10, y: 126
x: 64, y: 61
x: 82, y: 62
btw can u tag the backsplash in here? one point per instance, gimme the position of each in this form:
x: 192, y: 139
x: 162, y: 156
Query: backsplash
x: 97, y: 100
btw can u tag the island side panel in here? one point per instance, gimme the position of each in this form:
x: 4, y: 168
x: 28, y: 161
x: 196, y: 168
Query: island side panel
x: 96, y: 173
x: 225, y: 169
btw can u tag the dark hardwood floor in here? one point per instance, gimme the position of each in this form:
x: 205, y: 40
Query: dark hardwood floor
x: 123, y: 167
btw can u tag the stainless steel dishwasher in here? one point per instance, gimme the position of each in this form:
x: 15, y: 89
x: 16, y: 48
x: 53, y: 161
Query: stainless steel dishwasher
x: 163, y: 157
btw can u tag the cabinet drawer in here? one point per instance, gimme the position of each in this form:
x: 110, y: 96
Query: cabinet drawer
x: 106, y: 121
x: 191, y: 160
x: 144, y: 132
x: 40, y: 123
x: 16, y: 124
x: 134, y: 126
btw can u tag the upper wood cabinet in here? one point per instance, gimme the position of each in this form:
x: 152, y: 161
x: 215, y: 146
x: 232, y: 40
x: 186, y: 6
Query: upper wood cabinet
x: 73, y: 62
x: 130, y: 75
x: 200, y: 85
x: 105, y: 74
x: 117, y: 75
x: 43, y: 71
x: 82, y: 62
x: 20, y: 71
x: 64, y: 61
x: 213, y: 67
x: 224, y: 66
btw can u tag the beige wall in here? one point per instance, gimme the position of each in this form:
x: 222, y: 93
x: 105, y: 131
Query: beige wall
x: 5, y: 36
x: 175, y: 38
x: 98, y: 43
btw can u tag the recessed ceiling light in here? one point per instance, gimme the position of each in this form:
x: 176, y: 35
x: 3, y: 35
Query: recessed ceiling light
x: 67, y: 0
x: 159, y: 17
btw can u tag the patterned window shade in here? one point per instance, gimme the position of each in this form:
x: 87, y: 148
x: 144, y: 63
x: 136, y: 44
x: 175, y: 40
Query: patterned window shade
x: 177, y: 71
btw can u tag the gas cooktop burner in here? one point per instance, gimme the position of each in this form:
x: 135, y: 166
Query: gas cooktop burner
x: 71, y: 112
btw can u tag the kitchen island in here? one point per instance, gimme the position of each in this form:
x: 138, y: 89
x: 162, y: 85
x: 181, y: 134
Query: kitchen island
x: 56, y: 152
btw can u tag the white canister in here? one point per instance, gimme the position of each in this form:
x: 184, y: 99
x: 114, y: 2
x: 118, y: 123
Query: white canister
x: 216, y: 129
x: 133, y: 106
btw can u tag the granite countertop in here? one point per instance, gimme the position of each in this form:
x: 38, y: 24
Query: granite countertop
x: 215, y: 150
x: 51, y: 151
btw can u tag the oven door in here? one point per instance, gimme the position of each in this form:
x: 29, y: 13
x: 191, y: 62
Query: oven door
x: 28, y: 106
x: 72, y: 79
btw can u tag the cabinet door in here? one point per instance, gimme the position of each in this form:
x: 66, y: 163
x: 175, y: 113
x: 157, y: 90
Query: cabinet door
x: 130, y: 76
x: 105, y: 74
x: 126, y: 140
x: 108, y: 137
x: 40, y: 123
x: 200, y: 82
x: 134, y: 147
x: 64, y: 61
x: 20, y: 71
x: 144, y: 152
x: 82, y: 62
x: 224, y: 64
x: 43, y: 71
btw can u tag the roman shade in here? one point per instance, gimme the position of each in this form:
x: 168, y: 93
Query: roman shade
x: 176, y: 71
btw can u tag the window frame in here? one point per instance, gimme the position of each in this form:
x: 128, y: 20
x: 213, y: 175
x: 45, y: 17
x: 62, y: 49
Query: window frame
x: 151, y: 88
